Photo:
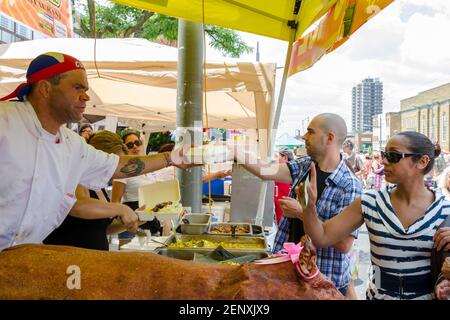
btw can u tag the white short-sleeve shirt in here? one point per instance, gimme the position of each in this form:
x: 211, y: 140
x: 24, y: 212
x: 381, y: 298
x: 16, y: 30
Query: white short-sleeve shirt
x: 40, y: 172
x: 132, y: 185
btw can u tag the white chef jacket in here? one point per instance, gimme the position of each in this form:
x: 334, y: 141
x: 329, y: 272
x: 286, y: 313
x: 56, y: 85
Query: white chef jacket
x: 39, y: 173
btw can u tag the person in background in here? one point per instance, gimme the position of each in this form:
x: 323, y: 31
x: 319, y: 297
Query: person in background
x: 352, y: 158
x: 402, y: 222
x: 296, y: 151
x: 92, y: 233
x: 444, y: 183
x: 367, y: 172
x: 215, y: 175
x: 166, y: 173
x: 86, y: 131
x: 282, y: 189
x: 378, y: 171
x: 126, y: 190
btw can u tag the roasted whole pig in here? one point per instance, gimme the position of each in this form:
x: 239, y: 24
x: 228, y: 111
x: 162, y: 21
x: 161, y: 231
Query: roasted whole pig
x: 446, y: 268
x: 50, y: 272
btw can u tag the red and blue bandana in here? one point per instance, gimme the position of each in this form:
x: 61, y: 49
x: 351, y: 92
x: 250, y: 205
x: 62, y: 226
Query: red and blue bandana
x: 42, y: 67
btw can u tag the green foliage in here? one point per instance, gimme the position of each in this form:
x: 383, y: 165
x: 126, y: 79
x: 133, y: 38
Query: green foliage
x: 157, y: 139
x: 160, y: 26
x: 117, y: 21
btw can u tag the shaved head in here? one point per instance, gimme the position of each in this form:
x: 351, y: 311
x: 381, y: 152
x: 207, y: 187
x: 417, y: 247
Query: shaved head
x: 332, y: 122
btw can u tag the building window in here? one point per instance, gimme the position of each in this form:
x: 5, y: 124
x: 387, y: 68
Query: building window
x: 433, y: 125
x: 6, y: 23
x: 444, y: 127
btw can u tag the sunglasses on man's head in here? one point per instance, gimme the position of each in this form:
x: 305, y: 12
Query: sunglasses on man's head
x: 130, y: 145
x: 394, y: 156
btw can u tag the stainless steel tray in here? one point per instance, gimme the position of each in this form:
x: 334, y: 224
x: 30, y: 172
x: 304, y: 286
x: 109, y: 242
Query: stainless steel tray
x: 244, y: 243
x: 228, y: 228
x: 188, y: 254
x: 198, y: 224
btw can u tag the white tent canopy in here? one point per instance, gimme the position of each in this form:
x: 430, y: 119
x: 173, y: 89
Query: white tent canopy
x: 136, y: 79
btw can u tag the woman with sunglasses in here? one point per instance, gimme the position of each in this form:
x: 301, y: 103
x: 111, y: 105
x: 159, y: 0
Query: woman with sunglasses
x: 126, y: 190
x: 402, y: 221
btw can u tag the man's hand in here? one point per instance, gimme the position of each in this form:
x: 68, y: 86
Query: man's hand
x: 222, y: 174
x: 129, y: 218
x: 442, y: 290
x: 442, y: 239
x: 311, y: 188
x: 177, y: 158
x: 291, y: 208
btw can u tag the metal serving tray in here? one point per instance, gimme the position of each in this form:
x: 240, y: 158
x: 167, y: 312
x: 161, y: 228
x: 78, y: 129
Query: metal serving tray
x: 188, y: 254
x: 213, y: 228
x: 198, y: 223
x: 246, y: 243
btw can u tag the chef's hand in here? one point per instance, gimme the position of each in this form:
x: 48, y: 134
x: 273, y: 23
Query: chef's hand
x: 442, y: 239
x: 291, y: 207
x: 177, y: 158
x: 128, y: 217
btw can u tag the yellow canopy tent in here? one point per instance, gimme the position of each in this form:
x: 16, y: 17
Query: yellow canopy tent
x: 280, y: 19
x: 270, y: 18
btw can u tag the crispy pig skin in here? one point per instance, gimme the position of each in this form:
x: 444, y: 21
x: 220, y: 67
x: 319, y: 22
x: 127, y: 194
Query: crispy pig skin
x: 446, y: 268
x: 35, y: 271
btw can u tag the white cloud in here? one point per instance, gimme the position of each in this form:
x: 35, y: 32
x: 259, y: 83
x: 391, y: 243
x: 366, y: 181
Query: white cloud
x: 406, y: 46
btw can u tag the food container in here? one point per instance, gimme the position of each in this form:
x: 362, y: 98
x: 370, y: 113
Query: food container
x: 198, y: 223
x: 257, y: 230
x: 158, y: 193
x: 238, y: 229
x: 209, y: 153
x: 209, y: 242
x: 188, y: 254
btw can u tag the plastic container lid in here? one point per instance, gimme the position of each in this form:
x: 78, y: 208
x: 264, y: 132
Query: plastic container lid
x: 152, y: 194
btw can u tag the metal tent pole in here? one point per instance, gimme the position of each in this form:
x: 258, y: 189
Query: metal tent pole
x: 190, y: 106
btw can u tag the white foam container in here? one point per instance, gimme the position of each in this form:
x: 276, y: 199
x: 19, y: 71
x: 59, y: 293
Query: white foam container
x: 152, y: 194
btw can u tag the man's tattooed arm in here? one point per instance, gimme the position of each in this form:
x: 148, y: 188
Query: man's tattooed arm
x: 130, y: 166
x: 133, y: 167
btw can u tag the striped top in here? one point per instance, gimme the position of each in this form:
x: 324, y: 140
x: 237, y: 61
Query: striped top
x: 396, y: 251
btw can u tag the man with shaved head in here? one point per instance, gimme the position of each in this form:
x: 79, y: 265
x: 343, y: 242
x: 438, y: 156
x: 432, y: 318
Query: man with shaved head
x: 337, y: 187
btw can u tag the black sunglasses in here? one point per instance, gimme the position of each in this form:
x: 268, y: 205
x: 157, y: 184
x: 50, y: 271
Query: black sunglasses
x: 394, y: 156
x: 130, y: 145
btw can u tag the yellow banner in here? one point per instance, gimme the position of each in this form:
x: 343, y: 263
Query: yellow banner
x: 50, y: 17
x: 336, y: 27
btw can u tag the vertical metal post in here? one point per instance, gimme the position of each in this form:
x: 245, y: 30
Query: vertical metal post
x: 190, y: 106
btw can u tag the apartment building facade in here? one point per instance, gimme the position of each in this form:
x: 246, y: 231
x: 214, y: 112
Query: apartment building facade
x: 367, y: 101
x: 428, y: 113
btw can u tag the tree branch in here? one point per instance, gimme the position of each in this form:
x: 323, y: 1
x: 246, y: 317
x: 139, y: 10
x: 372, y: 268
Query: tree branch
x: 142, y: 19
x: 84, y: 30
x: 91, y: 9
x: 212, y: 34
